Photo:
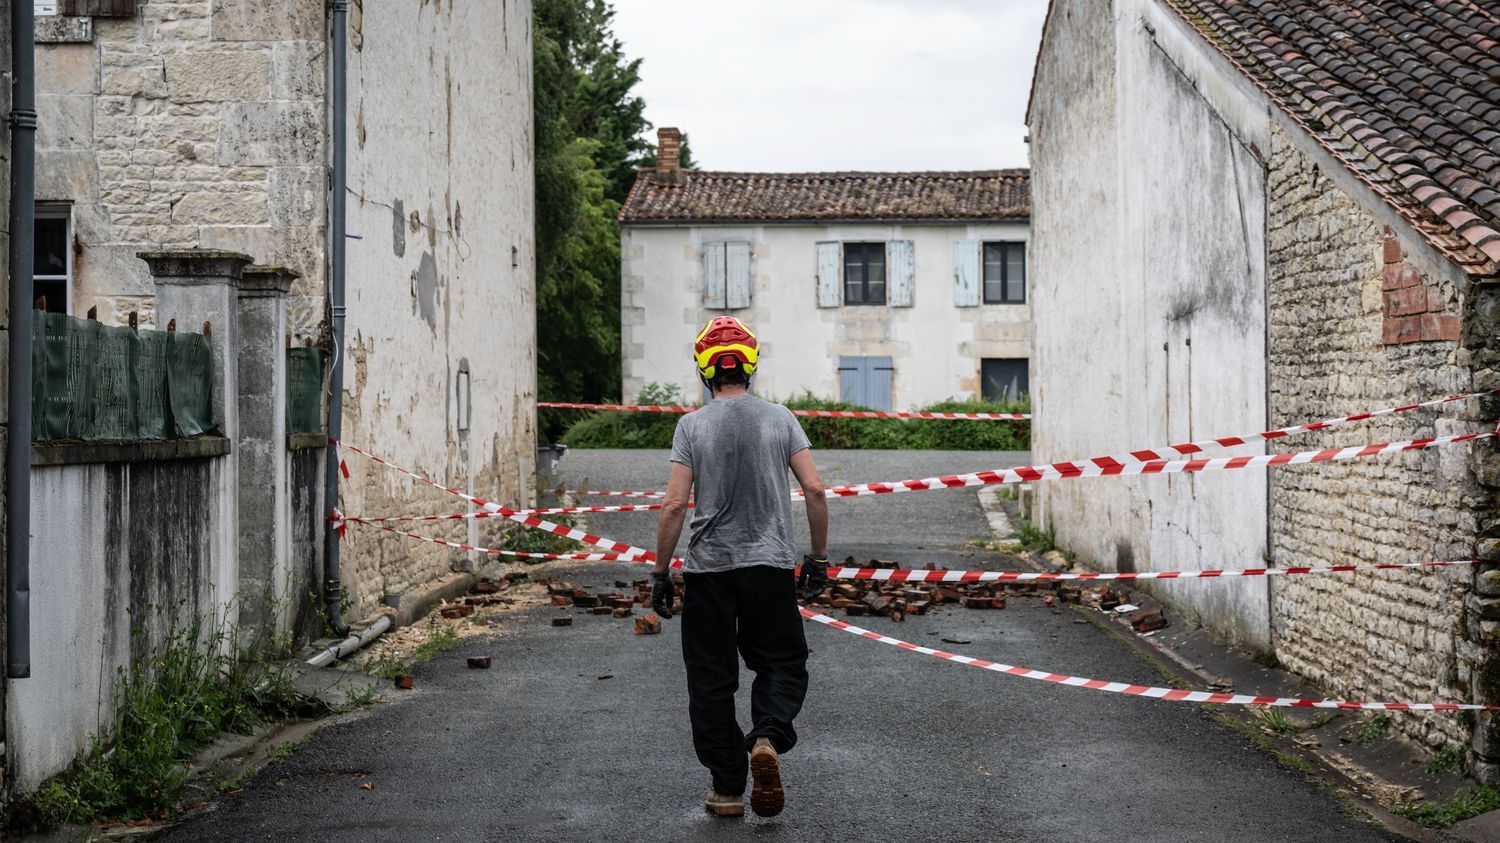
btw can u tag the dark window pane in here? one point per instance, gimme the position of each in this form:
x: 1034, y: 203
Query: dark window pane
x: 56, y: 293
x: 1003, y: 379
x: 854, y: 292
x: 994, y: 291
x: 51, y: 246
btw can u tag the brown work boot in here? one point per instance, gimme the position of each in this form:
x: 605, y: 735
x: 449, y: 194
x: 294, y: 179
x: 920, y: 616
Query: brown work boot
x: 766, y: 796
x: 723, y: 805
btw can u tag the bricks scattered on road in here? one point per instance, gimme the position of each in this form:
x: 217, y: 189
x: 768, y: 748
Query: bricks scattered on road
x: 648, y: 625
x: 479, y: 662
x: 1148, y: 621
x: 622, y: 612
x: 404, y: 682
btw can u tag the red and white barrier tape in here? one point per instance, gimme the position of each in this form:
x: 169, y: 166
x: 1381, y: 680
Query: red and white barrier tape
x: 1111, y: 466
x: 948, y: 576
x: 1189, y: 448
x: 580, y: 557
x: 529, y: 520
x: 913, y: 575
x: 1173, y: 694
x: 821, y: 414
x: 586, y: 492
x: 556, y: 510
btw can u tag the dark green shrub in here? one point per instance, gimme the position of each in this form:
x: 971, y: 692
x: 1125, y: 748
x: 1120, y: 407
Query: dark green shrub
x: 614, y: 429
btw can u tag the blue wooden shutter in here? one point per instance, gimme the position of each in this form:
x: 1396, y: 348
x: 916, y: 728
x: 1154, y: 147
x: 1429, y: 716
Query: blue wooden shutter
x: 852, y: 380
x: 829, y: 288
x: 902, y: 266
x: 714, y: 291
x: 737, y: 274
x: 966, y: 275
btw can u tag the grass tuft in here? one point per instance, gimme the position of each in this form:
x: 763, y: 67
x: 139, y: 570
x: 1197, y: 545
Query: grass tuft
x: 1456, y: 808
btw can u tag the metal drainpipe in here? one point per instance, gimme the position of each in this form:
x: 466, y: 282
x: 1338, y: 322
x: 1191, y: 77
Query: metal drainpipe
x: 332, y: 588
x: 18, y: 446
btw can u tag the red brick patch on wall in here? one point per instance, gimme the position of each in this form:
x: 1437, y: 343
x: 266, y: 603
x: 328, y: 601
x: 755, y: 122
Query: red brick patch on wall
x: 1415, y: 308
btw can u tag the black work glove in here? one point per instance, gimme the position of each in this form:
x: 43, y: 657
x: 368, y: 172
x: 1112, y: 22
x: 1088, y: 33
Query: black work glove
x: 663, y: 592
x: 814, y: 577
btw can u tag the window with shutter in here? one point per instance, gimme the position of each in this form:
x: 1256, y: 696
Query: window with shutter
x: 966, y: 273
x: 1005, y: 273
x: 726, y: 275
x: 828, y: 274
x: 737, y: 274
x: 864, y: 273
x: 97, y: 8
x: 902, y: 255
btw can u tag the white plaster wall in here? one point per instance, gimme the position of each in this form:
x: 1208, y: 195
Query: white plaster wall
x: 441, y: 201
x: 1182, y: 348
x: 121, y: 544
x: 935, y: 346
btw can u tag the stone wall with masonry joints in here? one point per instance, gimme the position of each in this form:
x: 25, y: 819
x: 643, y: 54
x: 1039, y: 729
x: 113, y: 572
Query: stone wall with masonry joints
x: 1338, y: 344
x: 195, y: 123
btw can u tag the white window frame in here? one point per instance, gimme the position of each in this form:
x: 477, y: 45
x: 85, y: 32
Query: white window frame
x: 55, y: 211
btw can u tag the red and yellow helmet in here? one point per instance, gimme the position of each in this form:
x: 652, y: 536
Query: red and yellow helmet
x: 725, y: 342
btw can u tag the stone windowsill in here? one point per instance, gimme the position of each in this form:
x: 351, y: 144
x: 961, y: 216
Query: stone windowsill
x: 84, y: 453
x: 306, y: 441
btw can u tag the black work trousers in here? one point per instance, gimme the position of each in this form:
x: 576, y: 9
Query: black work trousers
x: 750, y: 613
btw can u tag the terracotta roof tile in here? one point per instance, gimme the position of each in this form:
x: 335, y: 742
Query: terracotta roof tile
x: 712, y: 196
x: 1405, y: 93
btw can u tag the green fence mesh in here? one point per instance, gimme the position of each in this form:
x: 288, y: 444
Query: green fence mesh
x: 304, y: 390
x: 96, y: 382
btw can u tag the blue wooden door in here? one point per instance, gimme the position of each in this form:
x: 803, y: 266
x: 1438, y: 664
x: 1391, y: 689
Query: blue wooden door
x: 866, y: 381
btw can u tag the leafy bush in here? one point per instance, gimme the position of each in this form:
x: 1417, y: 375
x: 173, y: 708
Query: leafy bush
x: 614, y: 429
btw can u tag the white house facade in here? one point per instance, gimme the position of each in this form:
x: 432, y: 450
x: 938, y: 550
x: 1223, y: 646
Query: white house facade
x: 887, y: 290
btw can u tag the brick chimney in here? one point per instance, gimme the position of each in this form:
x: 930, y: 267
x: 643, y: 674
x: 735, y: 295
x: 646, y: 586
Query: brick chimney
x: 668, y: 154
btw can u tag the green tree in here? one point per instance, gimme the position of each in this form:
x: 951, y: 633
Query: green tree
x: 589, y: 131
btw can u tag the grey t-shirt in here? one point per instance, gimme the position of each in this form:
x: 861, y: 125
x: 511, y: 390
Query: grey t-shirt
x: 739, y: 449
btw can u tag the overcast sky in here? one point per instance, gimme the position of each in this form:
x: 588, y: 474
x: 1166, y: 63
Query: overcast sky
x: 796, y: 85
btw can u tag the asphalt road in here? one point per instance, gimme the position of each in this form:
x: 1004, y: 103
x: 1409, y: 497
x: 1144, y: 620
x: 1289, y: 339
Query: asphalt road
x: 580, y: 733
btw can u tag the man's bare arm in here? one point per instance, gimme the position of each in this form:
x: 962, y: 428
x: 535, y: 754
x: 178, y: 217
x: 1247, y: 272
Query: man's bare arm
x: 817, y: 505
x: 673, y: 510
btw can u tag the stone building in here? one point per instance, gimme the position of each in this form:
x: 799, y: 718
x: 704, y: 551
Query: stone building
x: 888, y: 290
x: 1252, y: 215
x: 170, y: 124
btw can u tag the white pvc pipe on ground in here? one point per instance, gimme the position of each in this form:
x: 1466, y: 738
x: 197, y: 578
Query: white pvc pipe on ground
x: 351, y: 644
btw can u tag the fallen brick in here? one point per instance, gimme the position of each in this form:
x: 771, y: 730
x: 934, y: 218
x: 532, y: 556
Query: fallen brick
x: 1049, y: 601
x: 856, y: 609
x: 622, y: 602
x: 485, y: 587
x: 979, y: 602
x: 879, y: 604
x: 562, y: 621
x: 562, y: 600
x: 1148, y: 620
x: 479, y: 662
x: 622, y: 612
x: 404, y: 682
x: 648, y: 625
x: 600, y: 610
x: 585, y: 601
x: 897, y: 616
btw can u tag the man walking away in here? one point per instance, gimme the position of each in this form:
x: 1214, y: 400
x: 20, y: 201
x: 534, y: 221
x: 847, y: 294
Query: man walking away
x: 732, y: 456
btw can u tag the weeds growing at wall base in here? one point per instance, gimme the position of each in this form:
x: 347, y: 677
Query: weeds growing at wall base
x: 1457, y: 808
x: 193, y: 686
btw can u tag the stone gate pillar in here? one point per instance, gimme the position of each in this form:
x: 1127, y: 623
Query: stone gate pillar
x: 260, y: 446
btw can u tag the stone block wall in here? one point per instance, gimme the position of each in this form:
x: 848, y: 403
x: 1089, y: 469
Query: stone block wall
x: 195, y: 123
x: 1394, y: 635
